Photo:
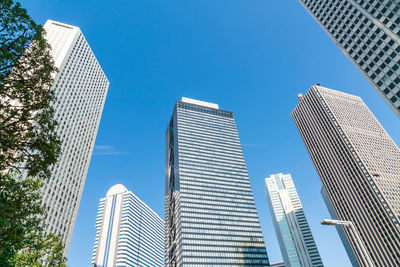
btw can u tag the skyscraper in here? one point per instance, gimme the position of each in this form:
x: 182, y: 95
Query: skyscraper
x: 359, y: 166
x: 294, y: 235
x: 81, y: 88
x: 128, y: 232
x: 368, y: 33
x: 210, y: 214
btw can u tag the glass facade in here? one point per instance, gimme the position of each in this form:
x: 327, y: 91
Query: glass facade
x: 211, y: 218
x: 294, y: 234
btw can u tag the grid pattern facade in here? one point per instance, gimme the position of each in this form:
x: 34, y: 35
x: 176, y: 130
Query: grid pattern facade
x: 81, y: 88
x: 211, y: 218
x: 128, y: 232
x: 368, y: 32
x: 294, y: 234
x: 358, y: 164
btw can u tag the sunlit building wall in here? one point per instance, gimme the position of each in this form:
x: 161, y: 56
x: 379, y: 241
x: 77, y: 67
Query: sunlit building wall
x: 128, y: 232
x: 81, y: 88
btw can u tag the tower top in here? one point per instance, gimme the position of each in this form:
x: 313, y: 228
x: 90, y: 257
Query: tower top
x: 200, y: 103
x: 116, y: 189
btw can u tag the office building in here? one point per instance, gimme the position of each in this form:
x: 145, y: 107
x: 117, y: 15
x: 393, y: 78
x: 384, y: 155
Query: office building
x: 81, y: 88
x: 359, y: 166
x: 368, y: 33
x: 128, y: 232
x: 210, y: 214
x: 294, y: 234
x: 277, y: 264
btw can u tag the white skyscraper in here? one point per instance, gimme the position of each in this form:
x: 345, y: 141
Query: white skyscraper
x: 294, y: 235
x: 128, y: 232
x: 359, y: 166
x: 81, y: 88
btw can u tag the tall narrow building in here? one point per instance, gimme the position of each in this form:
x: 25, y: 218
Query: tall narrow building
x: 359, y: 166
x: 368, y: 33
x: 210, y: 214
x: 297, y: 244
x: 128, y: 232
x: 81, y: 88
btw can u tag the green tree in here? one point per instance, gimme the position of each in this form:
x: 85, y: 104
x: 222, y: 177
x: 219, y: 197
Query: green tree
x: 28, y: 139
x: 29, y: 145
x: 21, y: 237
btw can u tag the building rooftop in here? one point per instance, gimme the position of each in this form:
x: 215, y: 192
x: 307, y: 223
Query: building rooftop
x: 200, y: 103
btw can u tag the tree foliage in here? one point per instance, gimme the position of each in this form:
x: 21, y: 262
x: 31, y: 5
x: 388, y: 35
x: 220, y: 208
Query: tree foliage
x: 21, y: 232
x: 28, y: 141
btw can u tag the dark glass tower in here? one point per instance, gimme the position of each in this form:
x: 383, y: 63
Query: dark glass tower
x: 210, y: 214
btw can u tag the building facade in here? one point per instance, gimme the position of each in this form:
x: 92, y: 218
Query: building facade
x: 210, y: 214
x: 368, y: 33
x: 296, y: 242
x: 81, y: 88
x: 128, y: 232
x: 359, y: 166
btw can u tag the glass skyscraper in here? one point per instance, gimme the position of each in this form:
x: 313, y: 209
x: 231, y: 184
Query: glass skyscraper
x: 359, y: 166
x: 368, y: 33
x: 210, y: 214
x: 81, y: 88
x: 128, y: 232
x: 294, y: 234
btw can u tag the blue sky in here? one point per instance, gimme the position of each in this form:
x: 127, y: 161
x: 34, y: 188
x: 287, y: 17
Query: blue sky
x: 250, y: 57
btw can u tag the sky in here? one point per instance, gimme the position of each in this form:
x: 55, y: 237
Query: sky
x: 250, y: 57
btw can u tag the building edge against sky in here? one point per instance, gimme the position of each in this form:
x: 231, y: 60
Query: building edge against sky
x: 210, y: 214
x: 368, y: 33
x: 128, y: 232
x: 80, y: 87
x: 342, y: 235
x: 359, y: 166
x: 296, y: 242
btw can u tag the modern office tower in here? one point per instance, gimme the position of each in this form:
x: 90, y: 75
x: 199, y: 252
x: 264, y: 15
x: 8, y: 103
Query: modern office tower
x: 342, y: 235
x: 294, y: 235
x: 277, y: 264
x: 359, y: 166
x: 128, y: 232
x: 368, y: 33
x: 210, y: 214
x: 81, y: 88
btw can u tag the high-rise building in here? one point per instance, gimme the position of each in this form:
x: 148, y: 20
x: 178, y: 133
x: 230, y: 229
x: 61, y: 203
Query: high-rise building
x: 210, y: 214
x: 128, y: 232
x: 81, y: 88
x: 359, y: 166
x: 368, y: 33
x: 294, y: 234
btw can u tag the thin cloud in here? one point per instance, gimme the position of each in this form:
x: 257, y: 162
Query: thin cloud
x: 107, y: 150
x: 102, y: 147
